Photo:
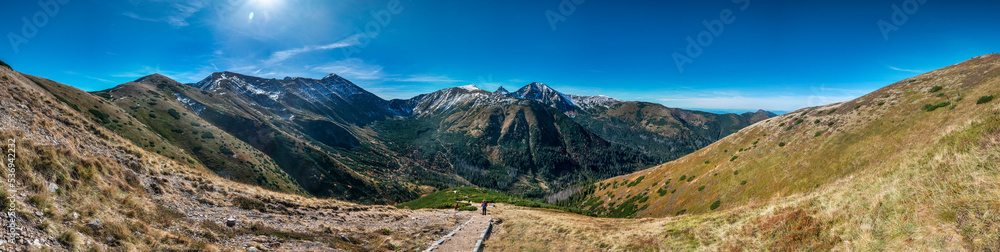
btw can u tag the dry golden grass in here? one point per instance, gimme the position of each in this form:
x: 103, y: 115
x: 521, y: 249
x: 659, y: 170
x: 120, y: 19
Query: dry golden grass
x: 890, y: 177
x: 941, y: 202
x: 102, y: 176
x: 854, y: 136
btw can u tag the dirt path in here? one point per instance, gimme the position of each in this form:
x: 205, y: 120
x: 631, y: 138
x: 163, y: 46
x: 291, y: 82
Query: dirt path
x: 467, y: 236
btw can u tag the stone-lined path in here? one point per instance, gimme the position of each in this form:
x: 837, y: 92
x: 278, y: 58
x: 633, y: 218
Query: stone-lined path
x: 468, y: 236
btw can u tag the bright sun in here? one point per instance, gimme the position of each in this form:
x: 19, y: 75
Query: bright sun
x: 265, y: 3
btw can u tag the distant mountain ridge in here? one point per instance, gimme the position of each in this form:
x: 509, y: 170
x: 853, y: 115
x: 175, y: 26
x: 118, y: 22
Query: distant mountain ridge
x: 332, y: 138
x: 646, y: 132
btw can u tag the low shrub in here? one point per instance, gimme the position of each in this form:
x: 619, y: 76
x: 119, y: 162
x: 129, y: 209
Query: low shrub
x: 636, y: 182
x: 682, y: 211
x: 700, y: 188
x: 100, y: 115
x: 781, y: 144
x: 173, y: 113
x: 935, y: 89
x: 226, y: 151
x: 932, y: 107
x: 743, y: 183
x: 715, y: 205
x: 208, y: 135
x: 984, y: 99
x: 662, y: 191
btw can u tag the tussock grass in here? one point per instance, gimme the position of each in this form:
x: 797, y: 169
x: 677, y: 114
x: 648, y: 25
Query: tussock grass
x: 883, y: 178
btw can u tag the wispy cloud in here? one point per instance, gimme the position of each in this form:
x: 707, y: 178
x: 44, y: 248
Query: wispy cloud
x: 176, y: 13
x: 751, y: 103
x: 424, y: 78
x: 279, y: 56
x: 906, y: 70
x: 353, y: 69
x: 137, y: 17
x: 99, y: 79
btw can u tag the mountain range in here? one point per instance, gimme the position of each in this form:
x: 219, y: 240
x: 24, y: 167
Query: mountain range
x: 236, y: 162
x: 331, y: 138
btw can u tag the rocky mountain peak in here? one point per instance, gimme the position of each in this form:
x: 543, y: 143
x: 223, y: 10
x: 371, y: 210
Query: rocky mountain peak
x: 501, y: 91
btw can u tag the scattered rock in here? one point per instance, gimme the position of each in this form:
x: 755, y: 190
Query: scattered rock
x: 252, y: 249
x: 231, y: 222
x: 53, y: 187
x: 95, y: 223
x: 344, y: 237
x: 75, y: 215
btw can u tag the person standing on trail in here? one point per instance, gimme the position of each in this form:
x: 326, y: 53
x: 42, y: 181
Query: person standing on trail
x: 484, y: 207
x: 456, y: 207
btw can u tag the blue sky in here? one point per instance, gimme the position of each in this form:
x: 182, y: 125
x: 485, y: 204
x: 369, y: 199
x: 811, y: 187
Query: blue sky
x: 774, y: 55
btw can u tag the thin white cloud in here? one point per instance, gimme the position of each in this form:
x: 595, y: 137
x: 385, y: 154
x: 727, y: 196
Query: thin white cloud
x: 906, y: 70
x: 98, y: 79
x: 137, y: 17
x: 352, y: 69
x: 775, y: 103
x: 182, y: 12
x: 424, y: 78
x: 176, y: 14
x: 279, y: 56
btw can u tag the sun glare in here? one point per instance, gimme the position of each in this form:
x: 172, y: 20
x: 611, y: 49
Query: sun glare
x: 265, y: 3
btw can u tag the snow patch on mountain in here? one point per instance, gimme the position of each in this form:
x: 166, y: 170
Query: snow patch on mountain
x: 470, y: 87
x: 589, y: 102
x: 195, y: 106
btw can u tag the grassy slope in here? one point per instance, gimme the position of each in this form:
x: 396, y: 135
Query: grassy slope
x: 525, y: 148
x: 98, y: 175
x: 888, y: 176
x: 109, y: 115
x: 819, y: 146
x: 306, y: 148
x: 151, y: 102
x: 71, y: 171
x: 667, y: 133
